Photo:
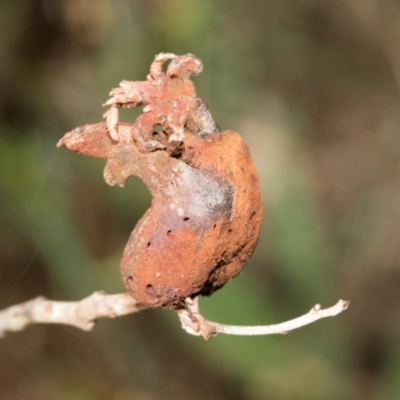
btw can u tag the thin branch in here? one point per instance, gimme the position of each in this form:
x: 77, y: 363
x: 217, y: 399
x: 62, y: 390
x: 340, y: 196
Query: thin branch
x: 81, y: 314
x: 194, y: 323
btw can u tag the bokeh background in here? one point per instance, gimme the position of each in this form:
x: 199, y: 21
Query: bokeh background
x: 313, y: 88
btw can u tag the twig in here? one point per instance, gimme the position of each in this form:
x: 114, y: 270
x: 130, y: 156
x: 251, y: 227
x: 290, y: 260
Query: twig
x: 81, y: 314
x: 194, y: 323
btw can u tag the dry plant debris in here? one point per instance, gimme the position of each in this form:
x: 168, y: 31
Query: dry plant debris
x: 205, y: 216
x: 206, y: 212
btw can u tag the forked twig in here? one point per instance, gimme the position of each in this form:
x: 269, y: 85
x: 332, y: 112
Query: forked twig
x: 84, y: 313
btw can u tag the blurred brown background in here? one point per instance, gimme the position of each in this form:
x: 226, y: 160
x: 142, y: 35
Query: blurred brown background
x: 313, y: 87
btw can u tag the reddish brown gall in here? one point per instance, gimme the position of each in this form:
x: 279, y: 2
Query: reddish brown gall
x: 206, y: 212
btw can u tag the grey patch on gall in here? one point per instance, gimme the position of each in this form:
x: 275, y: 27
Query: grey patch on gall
x: 207, y: 197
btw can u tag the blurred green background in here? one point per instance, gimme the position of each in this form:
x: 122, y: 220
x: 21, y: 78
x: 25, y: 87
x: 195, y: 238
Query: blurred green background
x: 313, y: 88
